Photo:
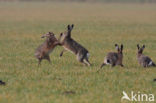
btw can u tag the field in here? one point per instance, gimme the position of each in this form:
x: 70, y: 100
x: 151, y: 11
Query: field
x: 97, y: 27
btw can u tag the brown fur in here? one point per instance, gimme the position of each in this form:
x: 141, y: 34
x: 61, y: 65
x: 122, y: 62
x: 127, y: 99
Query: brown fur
x: 143, y: 60
x: 71, y: 45
x: 114, y: 58
x: 43, y: 51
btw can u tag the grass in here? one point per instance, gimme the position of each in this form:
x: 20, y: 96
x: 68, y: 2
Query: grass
x: 97, y: 27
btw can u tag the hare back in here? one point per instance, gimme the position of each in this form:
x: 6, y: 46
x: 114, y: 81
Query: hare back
x: 73, y: 46
x: 83, y: 55
x: 145, y: 60
x: 111, y: 58
x: 43, y: 49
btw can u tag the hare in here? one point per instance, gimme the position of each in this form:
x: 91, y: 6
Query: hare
x: 143, y: 60
x: 114, y: 58
x: 71, y: 45
x: 43, y: 51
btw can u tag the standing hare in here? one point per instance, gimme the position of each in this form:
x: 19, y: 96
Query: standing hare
x: 143, y: 60
x: 71, y: 45
x: 114, y: 58
x: 43, y: 51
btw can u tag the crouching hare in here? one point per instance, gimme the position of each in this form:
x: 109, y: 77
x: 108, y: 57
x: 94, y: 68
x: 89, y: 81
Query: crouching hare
x: 71, y: 45
x: 43, y: 51
x: 143, y: 60
x: 114, y: 58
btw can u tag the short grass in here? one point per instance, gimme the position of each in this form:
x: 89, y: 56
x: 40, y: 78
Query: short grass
x: 97, y: 27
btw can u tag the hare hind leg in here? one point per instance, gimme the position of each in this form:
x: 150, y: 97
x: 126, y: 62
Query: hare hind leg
x: 121, y: 65
x: 48, y: 58
x: 103, y: 64
x: 86, y: 59
x: 80, y: 58
x: 61, y: 54
x: 113, y: 65
x: 39, y: 61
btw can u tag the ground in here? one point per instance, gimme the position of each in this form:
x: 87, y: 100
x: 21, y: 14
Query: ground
x: 98, y: 27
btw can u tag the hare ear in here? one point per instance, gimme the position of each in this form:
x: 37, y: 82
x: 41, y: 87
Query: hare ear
x: 143, y: 46
x: 50, y: 33
x: 121, y: 47
x: 72, y: 26
x: 117, y: 47
x: 68, y: 27
x: 61, y: 34
x: 138, y: 46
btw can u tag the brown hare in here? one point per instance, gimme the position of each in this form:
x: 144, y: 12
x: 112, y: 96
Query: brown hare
x: 43, y: 51
x: 143, y: 60
x: 71, y: 45
x: 114, y: 58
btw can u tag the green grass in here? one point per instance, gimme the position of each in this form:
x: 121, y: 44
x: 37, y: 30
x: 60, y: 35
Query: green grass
x: 97, y: 27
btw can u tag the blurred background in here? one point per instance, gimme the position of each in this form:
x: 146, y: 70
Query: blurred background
x: 106, y: 1
x: 99, y: 24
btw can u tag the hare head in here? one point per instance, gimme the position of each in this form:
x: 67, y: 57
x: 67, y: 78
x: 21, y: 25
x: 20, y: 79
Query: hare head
x: 140, y: 50
x: 66, y: 34
x: 119, y: 49
x: 48, y: 35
